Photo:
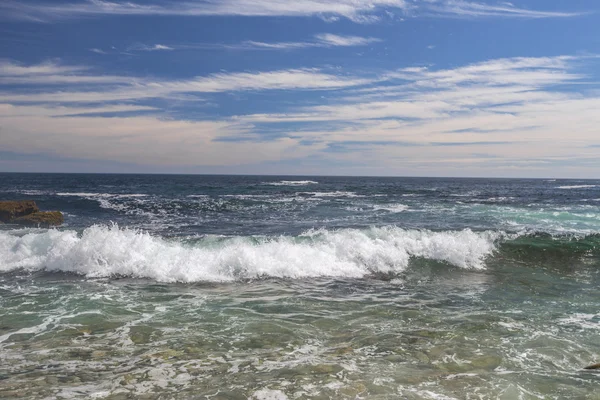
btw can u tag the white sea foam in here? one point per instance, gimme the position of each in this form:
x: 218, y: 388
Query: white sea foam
x: 583, y: 321
x: 102, y: 195
x: 102, y: 251
x: 34, y: 192
x: 291, y: 183
x: 107, y: 200
x: 268, y: 394
x: 331, y: 194
x: 497, y: 199
x: 577, y: 187
x: 393, y: 208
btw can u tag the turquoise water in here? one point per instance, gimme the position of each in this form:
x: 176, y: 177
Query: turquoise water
x: 371, y: 288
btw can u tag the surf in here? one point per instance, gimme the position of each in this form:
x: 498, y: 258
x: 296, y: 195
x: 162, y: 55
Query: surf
x: 111, y: 251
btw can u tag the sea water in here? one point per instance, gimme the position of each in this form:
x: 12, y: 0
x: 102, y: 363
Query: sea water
x: 263, y: 287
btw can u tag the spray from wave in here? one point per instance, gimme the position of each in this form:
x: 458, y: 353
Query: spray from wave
x: 101, y: 251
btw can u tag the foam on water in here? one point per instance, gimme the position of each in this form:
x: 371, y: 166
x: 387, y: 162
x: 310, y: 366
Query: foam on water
x: 267, y: 394
x: 577, y: 187
x: 102, y: 251
x: 330, y: 194
x: 102, y: 195
x: 393, y: 208
x: 291, y: 183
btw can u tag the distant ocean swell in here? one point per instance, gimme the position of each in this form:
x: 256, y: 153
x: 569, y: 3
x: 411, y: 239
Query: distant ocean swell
x: 110, y: 251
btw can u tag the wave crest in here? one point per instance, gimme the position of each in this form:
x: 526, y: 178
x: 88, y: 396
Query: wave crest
x: 291, y: 183
x: 101, y: 251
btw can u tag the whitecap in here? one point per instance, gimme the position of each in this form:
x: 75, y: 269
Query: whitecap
x: 393, y: 208
x: 291, y: 183
x: 108, y: 251
x: 577, y: 187
x: 330, y: 194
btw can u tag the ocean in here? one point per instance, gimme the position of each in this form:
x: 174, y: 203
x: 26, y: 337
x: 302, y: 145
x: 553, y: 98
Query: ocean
x: 272, y: 288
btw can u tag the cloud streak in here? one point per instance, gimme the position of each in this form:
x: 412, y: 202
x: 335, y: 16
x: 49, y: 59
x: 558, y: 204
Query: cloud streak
x: 122, y: 88
x: 470, y: 9
x: 155, y: 47
x: 362, y: 11
x: 324, y: 40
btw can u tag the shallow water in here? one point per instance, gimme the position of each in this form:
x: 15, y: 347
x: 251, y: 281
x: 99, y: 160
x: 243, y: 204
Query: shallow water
x: 336, y: 295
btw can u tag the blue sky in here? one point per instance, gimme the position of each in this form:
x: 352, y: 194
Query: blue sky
x: 304, y: 87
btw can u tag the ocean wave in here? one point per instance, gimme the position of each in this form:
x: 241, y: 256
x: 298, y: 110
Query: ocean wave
x: 110, y: 251
x: 290, y: 183
x: 393, y: 208
x: 337, y: 193
x: 113, y: 201
x: 501, y: 199
x: 577, y: 187
x: 102, y: 195
x: 33, y: 192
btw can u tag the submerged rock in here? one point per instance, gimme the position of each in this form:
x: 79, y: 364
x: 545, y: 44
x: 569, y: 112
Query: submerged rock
x: 11, y: 210
x: 42, y: 219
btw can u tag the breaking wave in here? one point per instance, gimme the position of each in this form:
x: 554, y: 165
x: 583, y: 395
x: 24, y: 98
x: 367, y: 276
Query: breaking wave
x: 110, y: 251
x: 577, y: 187
x: 291, y: 183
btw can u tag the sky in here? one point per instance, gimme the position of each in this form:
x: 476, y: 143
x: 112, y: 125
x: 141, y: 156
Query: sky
x: 458, y: 88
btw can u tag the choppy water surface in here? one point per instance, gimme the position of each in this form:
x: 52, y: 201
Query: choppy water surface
x: 291, y: 288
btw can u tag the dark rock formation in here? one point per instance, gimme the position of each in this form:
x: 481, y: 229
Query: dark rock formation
x: 595, y: 366
x: 42, y: 219
x: 27, y: 213
x: 10, y: 210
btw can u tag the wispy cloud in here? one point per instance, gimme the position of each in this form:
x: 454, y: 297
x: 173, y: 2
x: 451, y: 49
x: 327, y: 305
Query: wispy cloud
x: 155, y: 47
x: 355, y: 10
x: 121, y: 88
x: 324, y: 40
x: 514, y: 109
x: 98, y: 51
x: 330, y: 39
x: 511, y: 114
x: 53, y: 73
x: 423, y: 93
x: 10, y: 68
x: 471, y: 9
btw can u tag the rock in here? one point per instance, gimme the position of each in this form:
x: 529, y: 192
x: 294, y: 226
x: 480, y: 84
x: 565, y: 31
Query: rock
x: 10, y: 210
x: 42, y: 219
x: 594, y: 366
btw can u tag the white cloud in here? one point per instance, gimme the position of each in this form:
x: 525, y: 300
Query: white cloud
x: 156, y: 47
x: 11, y: 111
x: 471, y: 9
x: 119, y: 88
x: 355, y: 10
x: 64, y: 79
x: 499, y: 117
x: 53, y: 73
x: 330, y: 39
x: 421, y: 93
x: 509, y: 109
x: 325, y: 40
x: 134, y: 139
x: 9, y: 68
